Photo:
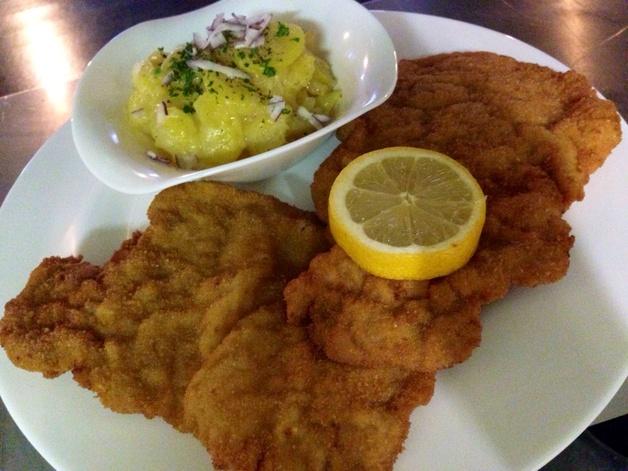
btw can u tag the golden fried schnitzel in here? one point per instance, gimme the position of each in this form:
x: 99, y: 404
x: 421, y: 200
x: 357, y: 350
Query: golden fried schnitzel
x: 529, y: 135
x: 186, y: 322
x: 136, y: 330
x: 267, y: 399
x: 365, y: 320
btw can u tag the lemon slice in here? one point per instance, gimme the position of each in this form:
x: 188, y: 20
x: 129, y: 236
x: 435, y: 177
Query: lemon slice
x: 407, y: 213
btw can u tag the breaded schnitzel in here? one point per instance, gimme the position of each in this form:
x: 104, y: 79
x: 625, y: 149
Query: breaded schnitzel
x: 136, y: 330
x: 267, y: 399
x: 186, y: 322
x: 529, y: 135
x: 362, y: 319
x: 499, y: 117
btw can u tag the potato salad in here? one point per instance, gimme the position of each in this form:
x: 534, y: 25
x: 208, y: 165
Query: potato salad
x: 244, y: 86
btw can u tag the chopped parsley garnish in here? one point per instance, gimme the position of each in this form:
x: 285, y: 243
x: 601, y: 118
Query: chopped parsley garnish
x: 188, y: 51
x: 185, y: 80
x: 296, y: 40
x: 188, y: 108
x: 282, y: 30
x: 267, y: 70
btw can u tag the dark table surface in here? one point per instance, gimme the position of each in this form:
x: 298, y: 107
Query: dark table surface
x: 46, y: 44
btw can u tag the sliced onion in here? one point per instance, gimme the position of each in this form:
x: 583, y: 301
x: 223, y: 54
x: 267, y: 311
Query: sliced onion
x: 199, y: 41
x: 237, y: 19
x: 167, y: 78
x: 236, y: 30
x: 158, y: 158
x: 220, y: 17
x: 254, y: 36
x: 246, y: 32
x: 257, y: 42
x: 322, y: 118
x: 276, y: 105
x: 230, y: 72
x: 251, y: 36
x: 216, y: 40
x: 161, y: 111
x: 259, y: 21
x: 316, y: 120
x: 216, y: 36
x: 275, y: 112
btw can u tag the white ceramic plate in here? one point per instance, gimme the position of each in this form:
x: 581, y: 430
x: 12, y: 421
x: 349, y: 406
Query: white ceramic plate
x: 550, y: 360
x: 355, y: 44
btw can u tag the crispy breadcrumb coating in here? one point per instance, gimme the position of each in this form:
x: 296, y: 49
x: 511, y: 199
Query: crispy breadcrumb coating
x: 531, y: 136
